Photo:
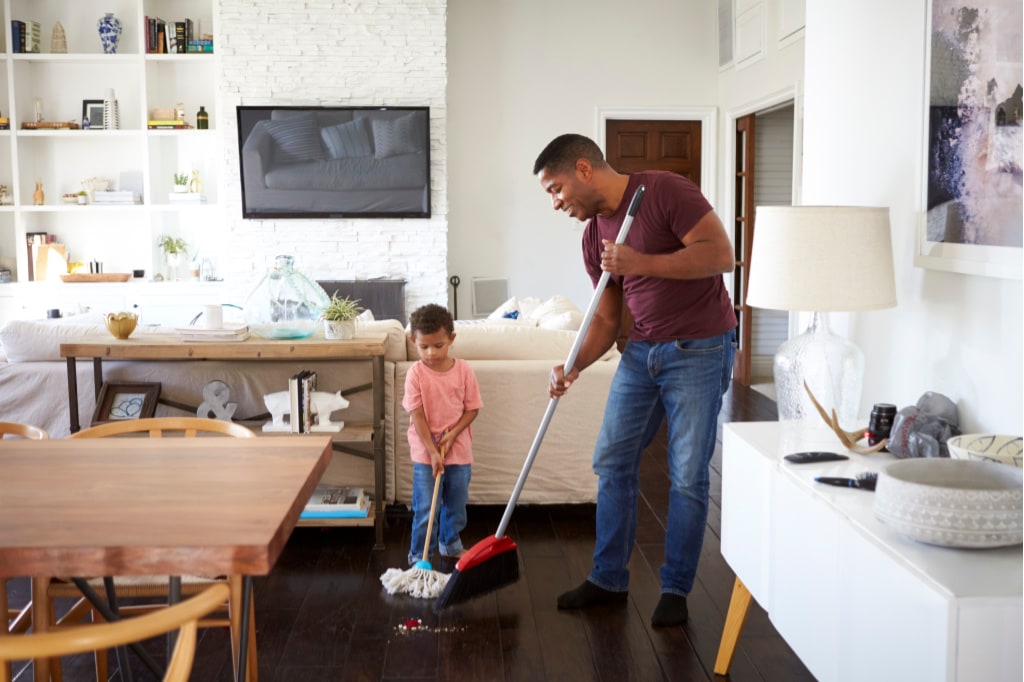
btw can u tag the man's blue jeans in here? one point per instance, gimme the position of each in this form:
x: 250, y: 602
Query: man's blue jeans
x: 451, y: 509
x: 682, y: 381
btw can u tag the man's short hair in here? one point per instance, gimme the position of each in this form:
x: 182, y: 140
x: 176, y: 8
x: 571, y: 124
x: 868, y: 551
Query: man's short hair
x: 564, y: 151
x: 431, y: 318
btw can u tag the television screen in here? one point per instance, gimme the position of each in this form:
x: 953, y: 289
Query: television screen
x: 334, y: 162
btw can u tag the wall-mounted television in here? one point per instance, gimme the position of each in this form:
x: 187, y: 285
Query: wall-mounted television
x: 334, y: 162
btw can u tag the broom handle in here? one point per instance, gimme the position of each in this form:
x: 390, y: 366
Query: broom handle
x: 634, y: 206
x: 433, y: 507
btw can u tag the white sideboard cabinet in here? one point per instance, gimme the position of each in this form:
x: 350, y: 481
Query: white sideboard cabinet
x: 854, y: 599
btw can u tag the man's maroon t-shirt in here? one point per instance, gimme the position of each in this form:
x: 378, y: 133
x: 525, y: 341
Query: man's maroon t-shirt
x: 663, y: 309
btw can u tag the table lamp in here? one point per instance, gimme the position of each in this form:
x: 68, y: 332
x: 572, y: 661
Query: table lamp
x: 820, y: 259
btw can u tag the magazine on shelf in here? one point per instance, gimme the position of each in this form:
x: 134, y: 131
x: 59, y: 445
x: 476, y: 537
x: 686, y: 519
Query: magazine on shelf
x: 337, y: 502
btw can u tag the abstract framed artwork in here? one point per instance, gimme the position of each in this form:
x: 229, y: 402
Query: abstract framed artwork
x: 971, y: 195
x: 119, y: 401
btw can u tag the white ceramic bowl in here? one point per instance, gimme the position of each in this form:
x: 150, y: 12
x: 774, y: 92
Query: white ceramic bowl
x: 952, y: 502
x: 988, y: 447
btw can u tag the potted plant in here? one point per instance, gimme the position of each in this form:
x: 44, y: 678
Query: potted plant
x: 83, y: 197
x: 174, y: 248
x: 181, y: 182
x: 339, y: 317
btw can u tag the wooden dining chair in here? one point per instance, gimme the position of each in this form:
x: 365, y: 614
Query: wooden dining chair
x: 130, y: 587
x: 182, y: 617
x: 18, y: 620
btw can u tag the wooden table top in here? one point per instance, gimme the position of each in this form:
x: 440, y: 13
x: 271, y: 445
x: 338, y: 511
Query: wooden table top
x: 171, y: 347
x: 141, y: 506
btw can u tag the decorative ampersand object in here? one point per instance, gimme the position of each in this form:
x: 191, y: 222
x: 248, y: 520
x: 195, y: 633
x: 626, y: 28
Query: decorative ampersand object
x: 215, y: 400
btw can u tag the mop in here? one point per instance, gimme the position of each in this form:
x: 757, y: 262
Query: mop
x: 421, y: 580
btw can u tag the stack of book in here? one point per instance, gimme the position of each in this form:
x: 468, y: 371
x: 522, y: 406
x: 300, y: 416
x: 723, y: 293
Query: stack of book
x: 176, y: 37
x: 167, y: 124
x: 186, y: 198
x: 226, y: 334
x: 335, y: 502
x: 25, y: 36
x: 113, y: 196
x: 300, y: 396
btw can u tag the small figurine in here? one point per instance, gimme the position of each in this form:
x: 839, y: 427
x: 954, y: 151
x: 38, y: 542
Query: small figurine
x: 38, y: 196
x: 5, y: 198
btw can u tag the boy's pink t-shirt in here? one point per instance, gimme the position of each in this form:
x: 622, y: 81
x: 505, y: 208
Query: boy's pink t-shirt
x: 444, y: 397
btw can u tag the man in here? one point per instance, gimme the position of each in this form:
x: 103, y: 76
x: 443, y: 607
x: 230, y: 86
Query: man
x: 676, y: 364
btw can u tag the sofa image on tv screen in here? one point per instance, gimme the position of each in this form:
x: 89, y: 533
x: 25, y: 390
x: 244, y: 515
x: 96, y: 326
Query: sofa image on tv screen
x: 334, y: 161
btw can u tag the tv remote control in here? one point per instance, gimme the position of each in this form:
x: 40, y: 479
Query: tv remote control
x: 811, y: 457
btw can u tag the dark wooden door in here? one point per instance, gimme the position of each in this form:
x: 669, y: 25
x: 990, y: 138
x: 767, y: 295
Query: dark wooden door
x: 654, y: 145
x: 642, y: 145
x: 743, y: 239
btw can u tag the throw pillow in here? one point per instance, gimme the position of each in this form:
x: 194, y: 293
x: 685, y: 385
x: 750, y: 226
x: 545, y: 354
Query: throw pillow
x: 396, y: 136
x: 347, y: 140
x: 296, y: 139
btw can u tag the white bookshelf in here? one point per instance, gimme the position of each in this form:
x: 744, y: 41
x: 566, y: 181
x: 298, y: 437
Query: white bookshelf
x: 122, y: 237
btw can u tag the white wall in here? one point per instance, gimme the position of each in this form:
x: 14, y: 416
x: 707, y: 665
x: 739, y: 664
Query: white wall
x: 863, y: 130
x: 524, y: 71
x: 322, y: 52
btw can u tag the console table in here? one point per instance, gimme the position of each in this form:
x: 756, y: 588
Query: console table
x: 853, y: 598
x: 369, y: 347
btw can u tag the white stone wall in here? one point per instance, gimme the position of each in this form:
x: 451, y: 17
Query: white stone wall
x: 336, y: 52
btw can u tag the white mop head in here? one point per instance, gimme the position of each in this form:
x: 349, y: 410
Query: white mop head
x: 418, y: 582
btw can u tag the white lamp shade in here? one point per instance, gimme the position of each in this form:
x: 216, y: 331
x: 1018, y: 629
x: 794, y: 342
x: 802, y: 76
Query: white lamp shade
x: 821, y: 259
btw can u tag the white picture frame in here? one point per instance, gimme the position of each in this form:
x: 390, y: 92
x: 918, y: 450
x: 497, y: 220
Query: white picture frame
x: 950, y: 218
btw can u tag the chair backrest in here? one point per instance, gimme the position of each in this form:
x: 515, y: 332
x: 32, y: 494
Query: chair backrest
x: 156, y: 427
x: 182, y: 617
x: 23, y: 430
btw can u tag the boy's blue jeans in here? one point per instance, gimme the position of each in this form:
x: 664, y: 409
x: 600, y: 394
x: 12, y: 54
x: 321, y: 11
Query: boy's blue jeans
x: 682, y: 381
x: 450, y: 516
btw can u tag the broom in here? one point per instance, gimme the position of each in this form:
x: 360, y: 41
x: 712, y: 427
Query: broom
x: 494, y: 562
x: 421, y: 580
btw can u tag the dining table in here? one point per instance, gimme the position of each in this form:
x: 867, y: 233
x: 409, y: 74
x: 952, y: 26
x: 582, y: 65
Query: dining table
x: 154, y: 506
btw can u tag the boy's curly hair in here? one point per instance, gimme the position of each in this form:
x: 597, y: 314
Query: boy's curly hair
x: 431, y: 318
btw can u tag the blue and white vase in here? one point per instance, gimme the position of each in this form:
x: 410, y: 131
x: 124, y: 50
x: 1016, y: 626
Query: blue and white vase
x: 110, y: 31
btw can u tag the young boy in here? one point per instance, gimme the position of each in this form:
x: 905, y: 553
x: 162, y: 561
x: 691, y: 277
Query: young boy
x: 442, y: 398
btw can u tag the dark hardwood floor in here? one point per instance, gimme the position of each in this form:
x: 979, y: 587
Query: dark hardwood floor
x: 323, y: 615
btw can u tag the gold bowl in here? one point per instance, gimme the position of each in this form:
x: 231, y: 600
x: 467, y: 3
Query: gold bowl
x: 121, y: 325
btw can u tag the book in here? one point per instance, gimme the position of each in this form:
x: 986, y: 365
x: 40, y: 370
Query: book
x: 308, y: 385
x: 179, y: 37
x: 295, y: 401
x: 330, y: 501
x: 113, y: 196
x: 33, y: 33
x: 225, y: 334
x: 186, y: 198
x: 17, y: 36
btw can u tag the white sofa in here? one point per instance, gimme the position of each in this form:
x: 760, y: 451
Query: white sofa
x: 511, y: 361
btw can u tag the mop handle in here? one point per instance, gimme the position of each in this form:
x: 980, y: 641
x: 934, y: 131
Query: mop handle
x: 433, y: 509
x: 634, y: 206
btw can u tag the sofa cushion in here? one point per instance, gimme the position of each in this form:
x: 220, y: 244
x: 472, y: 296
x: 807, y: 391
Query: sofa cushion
x: 504, y: 341
x: 396, y: 136
x: 39, y: 340
x: 296, y: 139
x: 347, y: 139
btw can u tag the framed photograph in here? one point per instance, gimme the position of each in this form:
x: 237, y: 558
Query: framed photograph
x: 118, y: 401
x: 971, y: 194
x: 92, y: 114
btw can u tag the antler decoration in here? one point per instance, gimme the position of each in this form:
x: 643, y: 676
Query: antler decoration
x: 847, y: 438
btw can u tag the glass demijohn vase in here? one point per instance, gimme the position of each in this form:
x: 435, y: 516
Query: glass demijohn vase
x: 285, y: 304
